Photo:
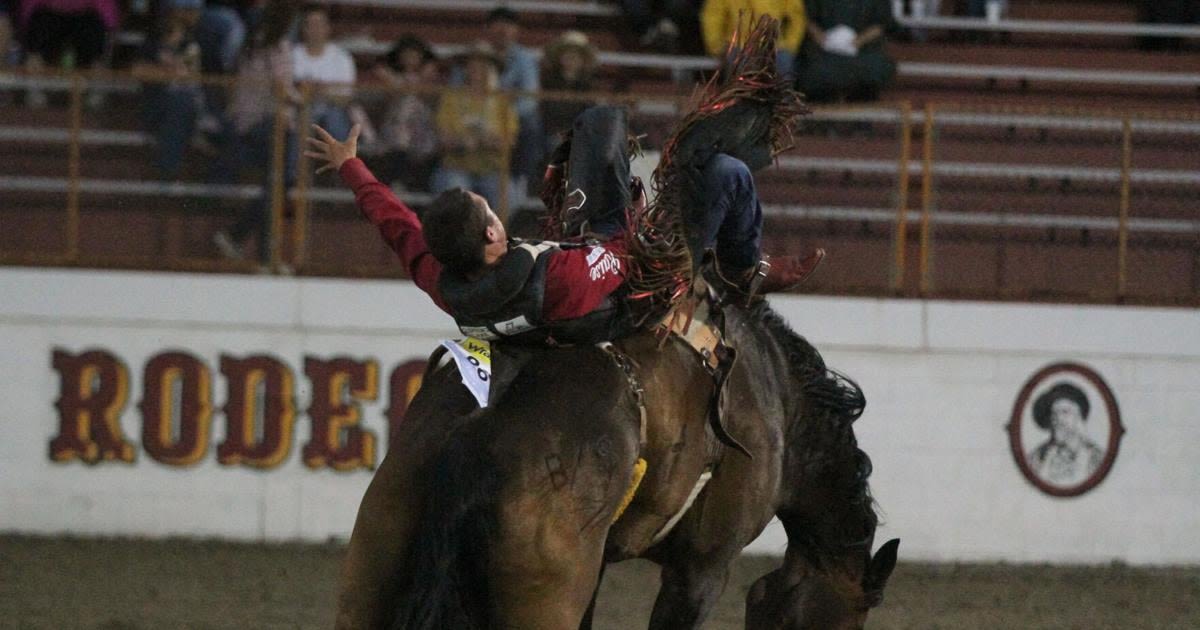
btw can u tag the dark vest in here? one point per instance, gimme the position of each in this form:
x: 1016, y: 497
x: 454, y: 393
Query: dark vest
x: 506, y: 303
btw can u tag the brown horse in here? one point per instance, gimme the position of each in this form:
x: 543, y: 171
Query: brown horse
x: 504, y: 517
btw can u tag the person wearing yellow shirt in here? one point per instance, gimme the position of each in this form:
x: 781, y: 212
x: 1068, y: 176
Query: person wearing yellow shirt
x: 719, y: 19
x: 477, y: 125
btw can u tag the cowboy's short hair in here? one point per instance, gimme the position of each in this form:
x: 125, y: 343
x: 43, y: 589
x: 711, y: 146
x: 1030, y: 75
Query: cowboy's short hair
x: 454, y: 227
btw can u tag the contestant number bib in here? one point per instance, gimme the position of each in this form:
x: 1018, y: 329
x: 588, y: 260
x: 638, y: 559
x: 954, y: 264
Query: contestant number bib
x: 474, y: 359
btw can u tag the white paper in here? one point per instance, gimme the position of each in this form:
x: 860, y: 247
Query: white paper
x: 474, y: 360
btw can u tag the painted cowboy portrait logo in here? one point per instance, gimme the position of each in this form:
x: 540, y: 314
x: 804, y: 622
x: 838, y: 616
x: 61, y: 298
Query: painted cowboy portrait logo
x: 1065, y: 429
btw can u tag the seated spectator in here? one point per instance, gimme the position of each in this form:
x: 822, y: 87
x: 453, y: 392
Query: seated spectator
x: 721, y: 18
x: 568, y: 66
x: 327, y: 69
x: 6, y: 43
x: 170, y: 65
x: 51, y: 28
x: 263, y: 93
x: 408, y: 135
x: 844, y: 59
x: 664, y: 25
x: 476, y: 124
x: 519, y: 73
x: 221, y: 34
x: 6, y: 31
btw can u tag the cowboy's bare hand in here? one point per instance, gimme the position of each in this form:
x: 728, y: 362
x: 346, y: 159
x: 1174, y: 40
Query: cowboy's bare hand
x: 324, y: 147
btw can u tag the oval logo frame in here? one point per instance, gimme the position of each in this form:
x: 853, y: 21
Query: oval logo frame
x: 1115, y: 429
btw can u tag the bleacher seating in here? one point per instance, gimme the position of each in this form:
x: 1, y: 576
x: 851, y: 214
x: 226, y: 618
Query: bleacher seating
x: 1025, y: 202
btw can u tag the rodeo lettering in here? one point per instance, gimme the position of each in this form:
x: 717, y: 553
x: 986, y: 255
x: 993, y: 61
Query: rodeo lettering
x: 260, y: 413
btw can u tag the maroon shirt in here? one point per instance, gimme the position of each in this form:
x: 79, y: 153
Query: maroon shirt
x: 577, y: 279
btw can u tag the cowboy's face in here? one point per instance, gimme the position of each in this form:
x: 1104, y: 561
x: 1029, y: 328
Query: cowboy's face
x: 495, y: 227
x: 1066, y: 419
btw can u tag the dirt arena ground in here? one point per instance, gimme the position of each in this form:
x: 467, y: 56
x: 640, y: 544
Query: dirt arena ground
x: 127, y: 585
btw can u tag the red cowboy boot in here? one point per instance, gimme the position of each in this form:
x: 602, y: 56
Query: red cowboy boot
x: 787, y: 272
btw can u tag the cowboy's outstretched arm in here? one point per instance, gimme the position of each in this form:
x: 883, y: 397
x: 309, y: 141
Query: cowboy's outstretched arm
x: 399, y: 226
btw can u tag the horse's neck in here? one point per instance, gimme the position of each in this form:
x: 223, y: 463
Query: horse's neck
x: 821, y: 456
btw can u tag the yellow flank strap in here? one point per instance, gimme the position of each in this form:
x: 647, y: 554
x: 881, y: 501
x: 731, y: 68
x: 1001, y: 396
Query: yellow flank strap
x: 639, y: 471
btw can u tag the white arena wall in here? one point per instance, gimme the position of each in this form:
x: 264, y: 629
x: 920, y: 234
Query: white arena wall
x: 941, y: 379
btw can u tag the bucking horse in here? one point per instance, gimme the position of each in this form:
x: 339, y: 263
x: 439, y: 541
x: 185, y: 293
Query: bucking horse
x: 505, y: 516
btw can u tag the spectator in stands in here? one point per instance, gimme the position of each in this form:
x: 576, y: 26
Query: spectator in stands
x: 221, y: 34
x: 476, y: 123
x: 72, y: 34
x: 519, y: 73
x: 569, y: 64
x: 409, y: 151
x: 664, y: 25
x: 6, y: 31
x: 844, y: 59
x: 264, y: 94
x: 721, y: 18
x: 170, y: 65
x: 326, y: 69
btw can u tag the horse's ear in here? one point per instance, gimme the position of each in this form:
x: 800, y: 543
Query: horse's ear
x: 879, y: 570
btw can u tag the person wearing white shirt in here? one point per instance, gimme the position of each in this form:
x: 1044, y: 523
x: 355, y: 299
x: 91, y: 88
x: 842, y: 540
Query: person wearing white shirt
x: 327, y: 69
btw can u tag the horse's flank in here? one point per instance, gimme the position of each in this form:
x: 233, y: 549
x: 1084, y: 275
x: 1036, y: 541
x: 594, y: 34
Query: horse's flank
x: 516, y: 502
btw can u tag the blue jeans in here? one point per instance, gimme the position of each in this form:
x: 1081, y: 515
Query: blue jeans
x: 170, y: 115
x: 254, y: 149
x: 220, y: 34
x: 333, y: 118
x: 732, y: 219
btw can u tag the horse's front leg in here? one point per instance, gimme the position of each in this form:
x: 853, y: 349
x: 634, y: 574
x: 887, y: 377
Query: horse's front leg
x: 687, y: 595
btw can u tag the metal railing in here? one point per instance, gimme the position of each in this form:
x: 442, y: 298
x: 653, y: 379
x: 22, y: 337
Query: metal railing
x: 592, y: 8
x: 1050, y: 27
x: 915, y: 69
x: 925, y: 200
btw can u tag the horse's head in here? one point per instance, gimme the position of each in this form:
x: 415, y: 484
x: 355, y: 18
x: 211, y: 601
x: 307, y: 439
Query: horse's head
x: 800, y: 597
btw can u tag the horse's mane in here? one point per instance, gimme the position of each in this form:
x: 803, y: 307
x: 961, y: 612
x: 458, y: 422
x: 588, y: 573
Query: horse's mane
x: 822, y: 436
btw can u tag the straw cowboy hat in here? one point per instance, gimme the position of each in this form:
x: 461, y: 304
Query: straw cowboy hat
x: 481, y: 50
x: 572, y: 40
